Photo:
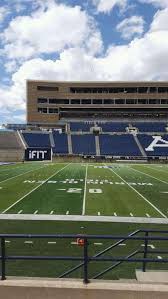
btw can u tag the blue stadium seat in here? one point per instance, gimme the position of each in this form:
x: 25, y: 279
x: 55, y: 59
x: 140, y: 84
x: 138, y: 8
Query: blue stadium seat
x: 61, y: 143
x: 37, y: 139
x: 80, y: 126
x: 118, y: 145
x: 113, y: 126
x: 146, y: 141
x: 150, y: 127
x: 83, y: 144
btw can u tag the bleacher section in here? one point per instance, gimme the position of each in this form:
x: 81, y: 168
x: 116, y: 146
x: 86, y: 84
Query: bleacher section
x: 118, y: 145
x: 61, y: 143
x: 83, y: 144
x: 11, y: 146
x: 113, y: 126
x: 10, y: 140
x: 150, y: 127
x: 37, y: 139
x: 80, y: 126
x: 160, y: 147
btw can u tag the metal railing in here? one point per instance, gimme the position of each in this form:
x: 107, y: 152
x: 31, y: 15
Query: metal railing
x: 85, y: 258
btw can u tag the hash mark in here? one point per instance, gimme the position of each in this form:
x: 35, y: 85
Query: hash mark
x: 20, y: 211
x: 67, y: 212
x: 28, y: 242
x: 115, y: 214
x: 36, y: 212
x: 98, y: 213
x: 51, y: 212
x: 52, y: 242
x: 147, y: 215
x: 131, y: 215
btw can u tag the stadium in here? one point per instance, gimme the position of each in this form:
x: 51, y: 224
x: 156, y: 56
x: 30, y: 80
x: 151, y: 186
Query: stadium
x: 88, y: 171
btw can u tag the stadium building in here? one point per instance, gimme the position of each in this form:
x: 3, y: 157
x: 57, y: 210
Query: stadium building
x: 48, y: 102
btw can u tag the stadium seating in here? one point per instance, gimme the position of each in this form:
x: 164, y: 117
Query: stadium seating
x: 118, y: 145
x: 37, y: 139
x: 146, y: 141
x: 150, y: 127
x: 80, y: 126
x: 113, y: 126
x: 10, y: 140
x: 83, y: 144
x: 61, y: 143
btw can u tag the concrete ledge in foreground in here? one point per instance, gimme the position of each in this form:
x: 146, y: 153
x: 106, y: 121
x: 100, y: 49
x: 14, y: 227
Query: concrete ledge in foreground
x: 19, y: 288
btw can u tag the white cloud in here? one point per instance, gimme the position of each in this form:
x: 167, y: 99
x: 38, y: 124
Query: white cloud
x: 160, y: 21
x: 49, y: 31
x: 4, y: 11
x: 106, y: 6
x: 130, y: 27
x: 157, y: 3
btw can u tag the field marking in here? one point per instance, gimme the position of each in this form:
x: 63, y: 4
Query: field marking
x: 84, y: 194
x: 115, y: 214
x: 157, y: 169
x: 131, y: 215
x: 51, y: 212
x: 36, y: 212
x: 139, y: 193
x: 55, y: 173
x: 147, y: 215
x: 20, y: 211
x: 159, y: 257
x: 98, y: 243
x: 28, y: 242
x: 51, y: 242
x: 153, y: 177
x: 21, y: 174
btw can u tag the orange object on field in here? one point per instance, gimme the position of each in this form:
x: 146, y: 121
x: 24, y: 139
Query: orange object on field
x: 80, y: 242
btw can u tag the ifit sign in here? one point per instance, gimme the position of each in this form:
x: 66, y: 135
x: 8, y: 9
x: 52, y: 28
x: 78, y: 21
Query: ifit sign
x: 38, y: 154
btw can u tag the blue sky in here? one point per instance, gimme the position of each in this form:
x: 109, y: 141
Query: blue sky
x: 78, y: 40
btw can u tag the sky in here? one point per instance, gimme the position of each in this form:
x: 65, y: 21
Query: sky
x: 107, y: 40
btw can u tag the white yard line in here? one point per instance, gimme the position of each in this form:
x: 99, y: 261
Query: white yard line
x: 151, y: 204
x: 28, y: 242
x: 157, y: 169
x: 84, y: 195
x: 21, y: 174
x: 151, y: 176
x: 34, y: 189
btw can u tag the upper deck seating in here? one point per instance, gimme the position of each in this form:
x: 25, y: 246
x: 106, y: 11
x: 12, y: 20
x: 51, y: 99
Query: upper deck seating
x: 80, y: 126
x: 113, y: 126
x: 150, y: 127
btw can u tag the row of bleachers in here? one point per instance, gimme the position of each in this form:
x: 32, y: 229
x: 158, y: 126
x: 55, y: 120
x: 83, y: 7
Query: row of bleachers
x: 119, y: 126
x: 37, y: 139
x: 80, y: 126
x: 118, y: 145
x: 114, y: 145
x: 150, y: 127
x: 83, y: 144
x: 161, y: 148
x: 61, y: 143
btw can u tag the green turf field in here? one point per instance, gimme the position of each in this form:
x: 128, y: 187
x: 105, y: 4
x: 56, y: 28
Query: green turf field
x: 81, y: 189
x: 129, y: 190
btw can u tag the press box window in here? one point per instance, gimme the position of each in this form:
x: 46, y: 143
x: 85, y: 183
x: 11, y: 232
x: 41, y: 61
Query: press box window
x: 58, y: 101
x: 47, y: 88
x: 53, y: 110
x: 108, y: 102
x: 86, y: 102
x: 75, y: 102
x: 42, y: 110
x: 41, y: 100
x: 97, y: 102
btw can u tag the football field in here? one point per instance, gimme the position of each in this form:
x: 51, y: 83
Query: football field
x: 125, y: 190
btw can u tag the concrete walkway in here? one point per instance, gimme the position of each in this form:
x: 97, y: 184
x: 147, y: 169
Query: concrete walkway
x: 39, y: 217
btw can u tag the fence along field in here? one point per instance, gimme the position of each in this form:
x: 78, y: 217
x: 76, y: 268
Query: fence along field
x: 84, y: 189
